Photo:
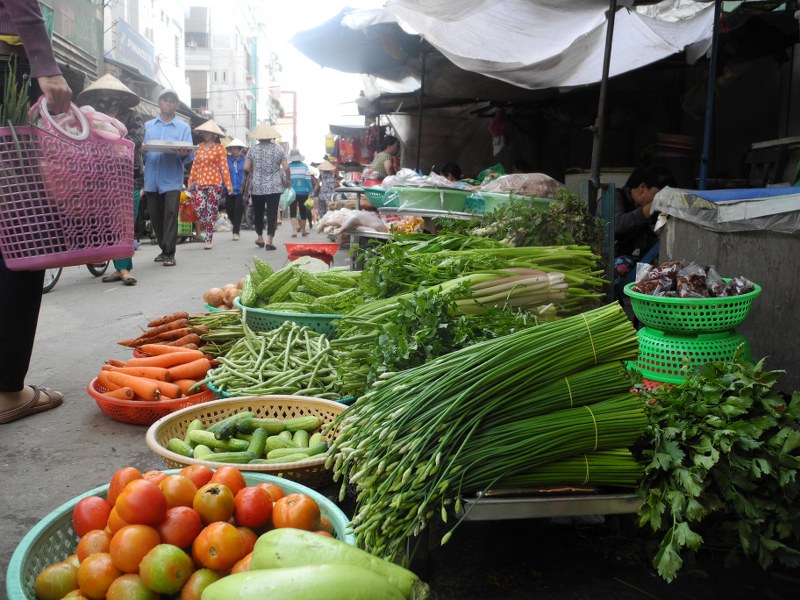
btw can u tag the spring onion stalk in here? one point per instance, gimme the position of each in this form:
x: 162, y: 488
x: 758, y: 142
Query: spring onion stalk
x: 461, y: 422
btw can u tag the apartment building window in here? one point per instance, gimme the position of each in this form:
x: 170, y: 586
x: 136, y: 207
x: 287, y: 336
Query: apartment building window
x: 177, y: 50
x: 224, y: 76
x: 215, y: 76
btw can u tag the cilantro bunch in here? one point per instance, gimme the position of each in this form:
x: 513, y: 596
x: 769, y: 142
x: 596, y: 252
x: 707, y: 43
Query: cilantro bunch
x: 722, y: 457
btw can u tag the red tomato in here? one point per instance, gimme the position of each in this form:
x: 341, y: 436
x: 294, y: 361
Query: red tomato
x: 250, y: 538
x: 90, y: 513
x: 325, y: 533
x: 200, y: 580
x: 243, y: 564
x: 96, y: 574
x: 214, y: 502
x: 154, y: 476
x: 119, y: 480
x: 165, y: 569
x: 96, y: 540
x: 178, y: 489
x: 130, y: 544
x: 274, y: 490
x: 252, y: 507
x: 325, y: 524
x: 181, y: 525
x: 199, y: 474
x: 130, y: 587
x: 142, y: 503
x: 115, y: 523
x: 218, y: 546
x: 296, y: 510
x: 230, y: 476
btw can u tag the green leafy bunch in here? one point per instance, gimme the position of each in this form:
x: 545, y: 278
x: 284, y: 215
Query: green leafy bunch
x: 722, y: 458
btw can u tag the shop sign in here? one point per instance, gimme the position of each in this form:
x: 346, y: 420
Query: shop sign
x: 133, y: 50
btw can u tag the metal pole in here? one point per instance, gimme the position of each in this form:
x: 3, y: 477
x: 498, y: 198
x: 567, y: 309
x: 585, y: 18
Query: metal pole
x: 599, y: 125
x: 710, y: 92
x: 419, y: 110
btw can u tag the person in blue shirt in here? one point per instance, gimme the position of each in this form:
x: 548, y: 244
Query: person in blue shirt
x: 303, y: 187
x: 163, y: 174
x: 234, y: 204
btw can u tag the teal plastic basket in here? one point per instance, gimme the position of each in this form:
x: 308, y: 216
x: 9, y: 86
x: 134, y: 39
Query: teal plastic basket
x: 53, y: 539
x: 258, y: 319
x: 662, y: 356
x: 376, y: 196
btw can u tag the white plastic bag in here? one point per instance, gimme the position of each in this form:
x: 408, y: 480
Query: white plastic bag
x: 223, y: 223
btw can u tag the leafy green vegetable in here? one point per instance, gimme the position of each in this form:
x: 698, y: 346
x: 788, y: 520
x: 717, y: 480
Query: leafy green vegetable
x: 722, y: 460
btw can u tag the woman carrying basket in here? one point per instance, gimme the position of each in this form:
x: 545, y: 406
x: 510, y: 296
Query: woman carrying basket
x: 24, y: 45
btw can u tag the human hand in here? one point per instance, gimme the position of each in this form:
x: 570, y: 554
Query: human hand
x: 56, y: 91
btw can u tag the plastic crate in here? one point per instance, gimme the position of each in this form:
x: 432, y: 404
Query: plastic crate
x: 66, y: 199
x: 661, y: 356
x: 258, y: 319
x: 185, y: 228
x: 376, y: 196
x: 691, y: 315
x: 141, y: 412
x: 53, y: 538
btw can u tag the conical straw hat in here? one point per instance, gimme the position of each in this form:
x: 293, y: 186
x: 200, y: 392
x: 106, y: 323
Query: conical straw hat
x: 211, y: 127
x: 264, y: 131
x: 108, y: 86
x: 236, y: 143
x: 326, y: 165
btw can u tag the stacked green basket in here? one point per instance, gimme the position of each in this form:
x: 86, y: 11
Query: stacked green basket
x: 701, y: 330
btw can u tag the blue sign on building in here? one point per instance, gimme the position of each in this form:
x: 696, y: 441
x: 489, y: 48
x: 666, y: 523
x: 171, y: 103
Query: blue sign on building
x: 133, y: 50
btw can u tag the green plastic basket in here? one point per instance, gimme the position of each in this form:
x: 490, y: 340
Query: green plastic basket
x: 691, y: 315
x: 258, y: 319
x: 376, y: 196
x: 661, y: 355
x: 53, y: 539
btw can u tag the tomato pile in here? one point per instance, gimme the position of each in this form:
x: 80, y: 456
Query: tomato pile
x: 173, y: 534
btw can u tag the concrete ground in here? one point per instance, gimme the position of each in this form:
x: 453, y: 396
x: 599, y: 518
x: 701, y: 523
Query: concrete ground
x: 50, y: 458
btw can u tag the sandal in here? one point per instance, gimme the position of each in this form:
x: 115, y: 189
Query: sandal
x: 159, y: 258
x: 31, y: 407
x: 259, y: 244
x: 270, y: 247
x: 168, y: 262
x: 115, y: 276
x: 129, y: 280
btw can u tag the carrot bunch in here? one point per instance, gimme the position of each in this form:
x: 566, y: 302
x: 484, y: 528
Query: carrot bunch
x: 170, y: 330
x: 167, y: 372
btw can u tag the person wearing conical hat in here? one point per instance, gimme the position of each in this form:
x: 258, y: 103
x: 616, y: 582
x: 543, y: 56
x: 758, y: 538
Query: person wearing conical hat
x: 303, y: 185
x: 327, y: 186
x: 234, y: 204
x: 209, y: 178
x: 268, y: 170
x: 111, y: 97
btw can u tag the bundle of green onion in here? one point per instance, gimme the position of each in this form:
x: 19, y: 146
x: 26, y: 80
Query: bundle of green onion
x: 467, y: 420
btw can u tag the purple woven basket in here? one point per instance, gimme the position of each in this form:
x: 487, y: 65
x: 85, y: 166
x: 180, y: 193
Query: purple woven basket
x: 64, y: 202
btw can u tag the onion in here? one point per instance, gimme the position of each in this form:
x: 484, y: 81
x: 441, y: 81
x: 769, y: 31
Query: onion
x: 214, y: 297
x: 229, y: 295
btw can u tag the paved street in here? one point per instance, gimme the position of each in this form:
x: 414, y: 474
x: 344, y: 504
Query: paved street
x: 50, y: 458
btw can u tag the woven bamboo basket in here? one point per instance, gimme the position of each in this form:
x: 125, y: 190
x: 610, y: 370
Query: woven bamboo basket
x: 311, y: 472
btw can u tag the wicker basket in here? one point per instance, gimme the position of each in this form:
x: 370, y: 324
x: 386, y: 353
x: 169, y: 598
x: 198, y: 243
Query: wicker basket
x: 141, y: 412
x: 259, y: 319
x: 311, y: 472
x: 691, y: 315
x: 53, y: 539
x: 662, y: 356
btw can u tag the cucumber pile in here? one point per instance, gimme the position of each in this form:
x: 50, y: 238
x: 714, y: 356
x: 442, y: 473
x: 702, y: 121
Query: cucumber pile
x: 244, y: 438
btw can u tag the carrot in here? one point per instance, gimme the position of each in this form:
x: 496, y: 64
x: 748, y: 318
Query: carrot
x: 151, y: 333
x: 123, y: 393
x: 157, y: 373
x: 158, y: 349
x: 169, y: 390
x: 196, y: 369
x: 131, y: 343
x: 168, y: 319
x: 163, y: 360
x: 102, y: 379
x: 191, y: 338
x: 186, y: 386
x: 175, y: 334
x: 146, y: 389
x: 115, y: 363
x: 191, y: 347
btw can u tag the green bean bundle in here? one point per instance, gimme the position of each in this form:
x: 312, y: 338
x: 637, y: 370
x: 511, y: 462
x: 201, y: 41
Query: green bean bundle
x: 287, y: 360
x: 464, y: 421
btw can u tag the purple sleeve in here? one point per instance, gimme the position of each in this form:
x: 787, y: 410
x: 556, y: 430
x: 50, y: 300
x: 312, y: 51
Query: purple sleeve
x: 27, y: 21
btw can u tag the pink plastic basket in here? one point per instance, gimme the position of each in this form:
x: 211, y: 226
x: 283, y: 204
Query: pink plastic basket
x: 64, y: 199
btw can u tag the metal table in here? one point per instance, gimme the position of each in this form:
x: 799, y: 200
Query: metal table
x: 360, y: 241
x: 527, y: 504
x: 427, y: 213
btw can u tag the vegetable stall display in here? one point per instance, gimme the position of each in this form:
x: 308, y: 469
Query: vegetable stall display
x: 463, y: 422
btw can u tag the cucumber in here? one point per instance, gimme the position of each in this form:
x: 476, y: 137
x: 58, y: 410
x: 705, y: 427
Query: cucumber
x: 277, y: 441
x: 202, y: 452
x: 230, y: 426
x: 309, y: 423
x: 281, y: 459
x: 318, y: 448
x: 331, y: 582
x: 234, y: 445
x: 309, y: 451
x: 287, y: 435
x: 315, y: 439
x: 244, y: 436
x: 271, y: 426
x: 300, y: 438
x: 286, y: 547
x: 231, y: 457
x: 178, y: 446
x: 209, y: 439
x: 258, y: 443
x: 194, y: 425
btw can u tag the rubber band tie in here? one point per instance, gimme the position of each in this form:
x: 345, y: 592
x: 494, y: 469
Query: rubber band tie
x: 596, y: 432
x: 591, y: 341
x: 569, y: 389
x: 586, y: 459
